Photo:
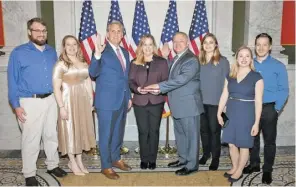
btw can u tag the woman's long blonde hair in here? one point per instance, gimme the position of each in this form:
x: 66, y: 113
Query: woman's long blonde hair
x: 64, y: 57
x: 139, y: 52
x: 235, y: 66
x: 202, y: 55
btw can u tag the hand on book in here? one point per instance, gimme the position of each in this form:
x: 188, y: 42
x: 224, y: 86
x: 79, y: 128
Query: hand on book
x: 153, y: 89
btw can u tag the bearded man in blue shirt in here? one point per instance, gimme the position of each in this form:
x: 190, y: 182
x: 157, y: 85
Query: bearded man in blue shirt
x: 30, y: 90
x: 276, y: 91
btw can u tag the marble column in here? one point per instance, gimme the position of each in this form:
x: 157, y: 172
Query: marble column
x: 265, y: 16
x: 15, y: 15
x: 64, y: 20
x: 222, y: 26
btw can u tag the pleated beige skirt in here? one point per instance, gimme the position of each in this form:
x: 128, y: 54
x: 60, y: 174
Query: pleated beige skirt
x: 77, y: 133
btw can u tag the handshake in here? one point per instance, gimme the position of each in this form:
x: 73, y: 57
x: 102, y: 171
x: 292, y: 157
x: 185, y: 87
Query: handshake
x: 153, y: 89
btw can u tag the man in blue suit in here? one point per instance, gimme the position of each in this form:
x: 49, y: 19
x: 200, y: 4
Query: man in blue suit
x: 109, y: 66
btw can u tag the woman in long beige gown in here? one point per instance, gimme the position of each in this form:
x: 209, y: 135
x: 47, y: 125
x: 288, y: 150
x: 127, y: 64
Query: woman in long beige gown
x: 74, y: 94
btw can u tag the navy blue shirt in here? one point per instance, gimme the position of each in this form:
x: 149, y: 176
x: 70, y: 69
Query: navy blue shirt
x: 30, y: 72
x: 275, y: 77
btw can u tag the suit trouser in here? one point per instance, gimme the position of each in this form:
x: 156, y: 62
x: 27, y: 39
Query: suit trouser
x: 111, y: 132
x: 268, y: 125
x: 41, y: 122
x: 210, y: 132
x: 187, y: 140
x: 148, y: 121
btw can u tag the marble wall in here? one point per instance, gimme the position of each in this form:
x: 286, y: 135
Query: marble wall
x: 262, y: 17
x: 265, y: 16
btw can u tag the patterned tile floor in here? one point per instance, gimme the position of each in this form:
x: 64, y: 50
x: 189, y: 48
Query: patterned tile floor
x: 10, y: 167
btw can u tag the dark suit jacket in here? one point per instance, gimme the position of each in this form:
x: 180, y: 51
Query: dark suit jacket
x: 158, y: 72
x: 111, y: 82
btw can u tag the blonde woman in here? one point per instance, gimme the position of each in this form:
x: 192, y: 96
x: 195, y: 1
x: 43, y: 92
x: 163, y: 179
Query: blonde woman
x: 148, y: 68
x: 213, y: 71
x: 74, y: 94
x: 243, y: 92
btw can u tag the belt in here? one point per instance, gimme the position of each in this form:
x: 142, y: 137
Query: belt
x: 42, y: 96
x: 266, y: 104
x: 247, y: 100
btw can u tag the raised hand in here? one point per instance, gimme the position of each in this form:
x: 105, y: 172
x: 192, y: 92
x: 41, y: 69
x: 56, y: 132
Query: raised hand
x: 165, y: 51
x: 99, y: 48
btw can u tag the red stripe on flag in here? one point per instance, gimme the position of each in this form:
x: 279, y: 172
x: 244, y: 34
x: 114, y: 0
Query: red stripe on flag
x: 124, y: 44
x: 194, y: 47
x: 84, y: 53
x: 132, y: 52
x: 91, y: 43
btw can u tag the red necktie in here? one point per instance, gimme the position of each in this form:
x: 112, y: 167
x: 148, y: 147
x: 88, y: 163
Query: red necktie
x: 120, y: 59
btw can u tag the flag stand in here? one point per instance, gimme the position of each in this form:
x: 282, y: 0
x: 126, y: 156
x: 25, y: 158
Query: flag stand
x: 167, y: 149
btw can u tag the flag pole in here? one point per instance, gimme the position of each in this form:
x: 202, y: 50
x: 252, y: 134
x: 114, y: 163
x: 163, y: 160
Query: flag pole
x: 167, y: 149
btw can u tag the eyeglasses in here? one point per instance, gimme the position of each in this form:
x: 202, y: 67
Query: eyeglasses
x: 39, y: 31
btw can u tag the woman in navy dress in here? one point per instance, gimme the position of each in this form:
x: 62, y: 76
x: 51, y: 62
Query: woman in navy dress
x: 242, y: 96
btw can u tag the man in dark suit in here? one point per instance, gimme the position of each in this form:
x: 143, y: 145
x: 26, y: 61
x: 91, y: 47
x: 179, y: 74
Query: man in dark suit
x: 109, y: 67
x: 184, y: 94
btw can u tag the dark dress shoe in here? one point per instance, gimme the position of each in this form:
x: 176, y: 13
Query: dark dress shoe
x: 267, y: 177
x: 227, y: 175
x: 185, y: 171
x: 58, y: 172
x: 204, y: 159
x: 250, y: 169
x: 144, y: 165
x: 230, y: 179
x: 31, y: 181
x: 213, y: 167
x: 152, y: 165
x: 176, y: 164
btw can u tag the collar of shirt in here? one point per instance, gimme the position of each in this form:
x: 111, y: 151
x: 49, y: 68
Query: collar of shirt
x: 264, y: 61
x: 180, y: 54
x: 114, y: 49
x: 32, y: 46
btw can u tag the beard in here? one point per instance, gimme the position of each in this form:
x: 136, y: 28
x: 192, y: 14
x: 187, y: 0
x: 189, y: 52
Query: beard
x: 38, y: 42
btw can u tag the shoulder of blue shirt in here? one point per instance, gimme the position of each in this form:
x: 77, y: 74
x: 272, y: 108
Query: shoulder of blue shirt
x: 29, y: 45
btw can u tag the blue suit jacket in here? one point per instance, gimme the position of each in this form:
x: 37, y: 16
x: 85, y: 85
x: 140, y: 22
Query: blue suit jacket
x: 112, y: 87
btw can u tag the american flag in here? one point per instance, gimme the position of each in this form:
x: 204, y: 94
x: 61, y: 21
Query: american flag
x: 170, y: 27
x: 115, y: 15
x: 87, y: 31
x: 140, y: 26
x: 199, y: 26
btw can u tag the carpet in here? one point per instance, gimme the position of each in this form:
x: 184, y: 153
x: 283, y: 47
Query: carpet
x: 204, y: 178
x: 11, y: 165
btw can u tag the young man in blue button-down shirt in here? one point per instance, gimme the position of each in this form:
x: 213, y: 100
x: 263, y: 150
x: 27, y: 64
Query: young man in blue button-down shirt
x: 276, y: 91
x: 30, y: 95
